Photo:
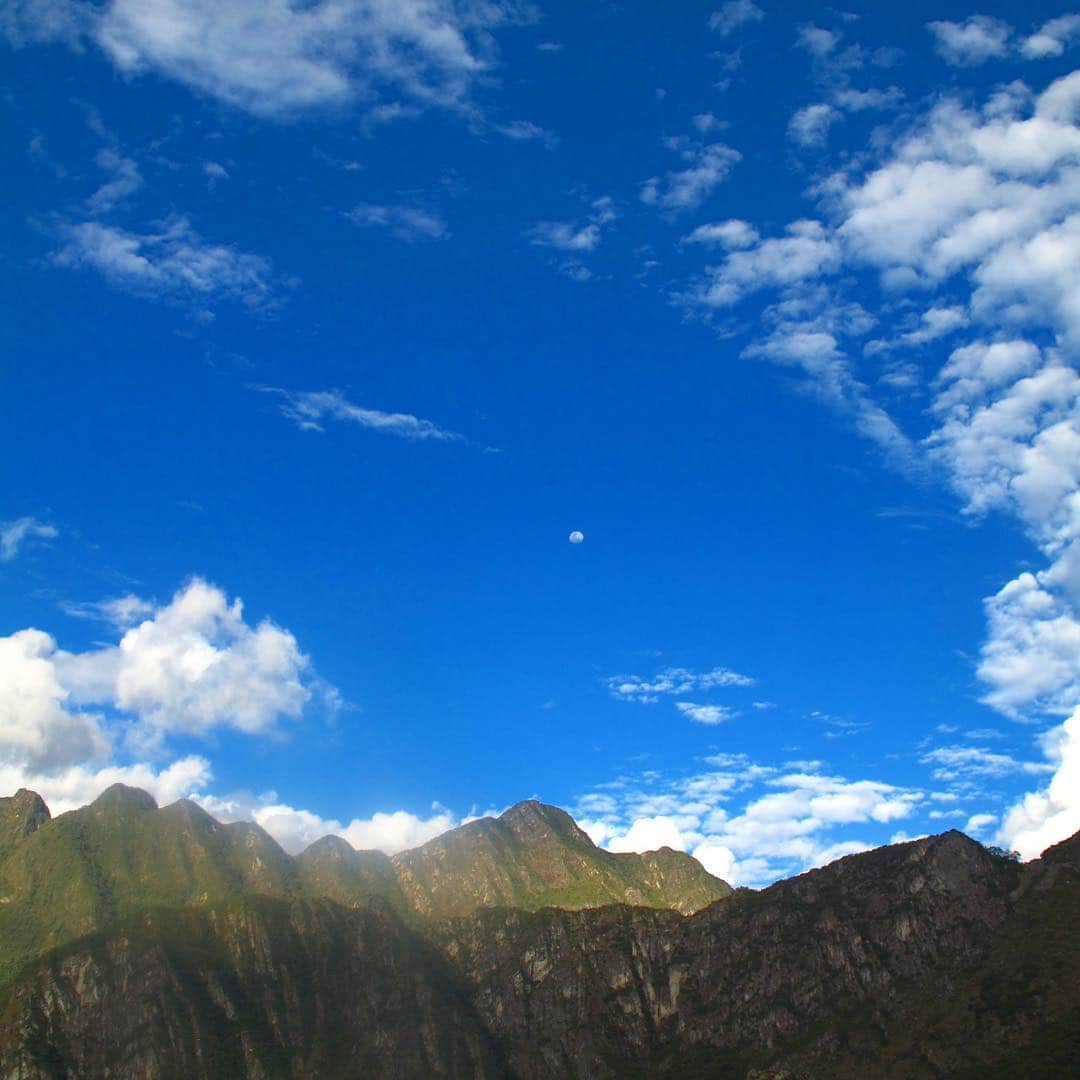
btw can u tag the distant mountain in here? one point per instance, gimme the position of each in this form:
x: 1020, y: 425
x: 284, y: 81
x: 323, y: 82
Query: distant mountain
x: 142, y: 942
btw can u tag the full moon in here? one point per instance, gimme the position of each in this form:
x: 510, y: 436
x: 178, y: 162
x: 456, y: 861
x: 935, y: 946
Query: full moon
x: 576, y: 537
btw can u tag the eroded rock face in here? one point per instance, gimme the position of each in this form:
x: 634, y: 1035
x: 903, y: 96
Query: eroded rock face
x: 261, y: 988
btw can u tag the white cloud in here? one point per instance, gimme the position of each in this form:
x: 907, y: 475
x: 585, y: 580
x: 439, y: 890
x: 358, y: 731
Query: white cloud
x: 1031, y: 660
x: 978, y: 822
x: 1052, y: 814
x: 708, y: 166
x: 934, y: 323
x: 39, y: 732
x: 196, y: 665
x: 974, y: 41
x: 672, y: 681
x: 852, y: 100
x: 309, y: 409
x: 69, y: 788
x: 294, y: 829
x: 565, y: 236
x: 809, y: 127
x: 705, y: 714
x: 969, y: 762
x: 650, y: 834
x: 1052, y: 38
x: 124, y: 181
x: 733, y: 14
x: 172, y: 263
x: 26, y: 22
x: 576, y: 236
x: 14, y: 534
x: 818, y: 42
x: 121, y: 611
x: 280, y: 57
x: 787, y: 822
x: 408, y: 223
x: 807, y: 251
x: 732, y: 235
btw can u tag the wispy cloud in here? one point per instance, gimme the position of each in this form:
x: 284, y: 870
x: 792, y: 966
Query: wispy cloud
x: 673, y: 680
x: 172, y: 263
x: 278, y: 57
x: 707, y: 166
x: 733, y: 14
x: 575, y: 236
x: 15, y: 534
x: 408, y: 223
x: 309, y: 410
x: 125, y: 180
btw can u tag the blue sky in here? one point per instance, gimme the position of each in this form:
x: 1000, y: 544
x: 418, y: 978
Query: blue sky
x: 329, y: 323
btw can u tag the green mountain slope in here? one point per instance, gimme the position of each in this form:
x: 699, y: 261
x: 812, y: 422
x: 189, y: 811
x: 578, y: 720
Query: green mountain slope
x: 64, y: 878
x: 535, y: 856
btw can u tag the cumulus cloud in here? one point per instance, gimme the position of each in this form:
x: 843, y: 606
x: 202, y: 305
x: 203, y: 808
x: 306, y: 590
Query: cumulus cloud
x: 76, y: 785
x: 808, y: 251
x: 708, y: 166
x: 295, y: 829
x: 974, y: 41
x: 408, y: 223
x: 194, y: 666
x: 1052, y: 38
x: 39, y: 731
x: 15, y: 534
x: 171, y: 263
x: 1052, y: 814
x: 188, y: 667
x: 278, y: 57
x: 673, y: 680
x: 787, y: 821
x: 732, y: 234
x: 310, y: 409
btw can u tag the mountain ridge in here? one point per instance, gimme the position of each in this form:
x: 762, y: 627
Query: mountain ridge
x: 77, y: 873
x: 882, y: 963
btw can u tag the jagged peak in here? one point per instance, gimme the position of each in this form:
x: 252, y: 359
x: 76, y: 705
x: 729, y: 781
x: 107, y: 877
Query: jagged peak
x: 123, y: 797
x: 528, y: 817
x: 23, y: 813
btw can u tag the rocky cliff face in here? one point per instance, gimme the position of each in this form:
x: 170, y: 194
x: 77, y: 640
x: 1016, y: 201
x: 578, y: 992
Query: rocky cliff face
x: 934, y: 958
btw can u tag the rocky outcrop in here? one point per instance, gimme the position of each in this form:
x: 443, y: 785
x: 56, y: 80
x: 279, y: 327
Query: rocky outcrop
x: 20, y: 815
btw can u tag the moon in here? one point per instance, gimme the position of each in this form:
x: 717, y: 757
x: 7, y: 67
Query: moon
x: 576, y: 537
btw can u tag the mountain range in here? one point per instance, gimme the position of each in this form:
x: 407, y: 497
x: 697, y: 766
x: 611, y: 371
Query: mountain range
x: 138, y: 941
